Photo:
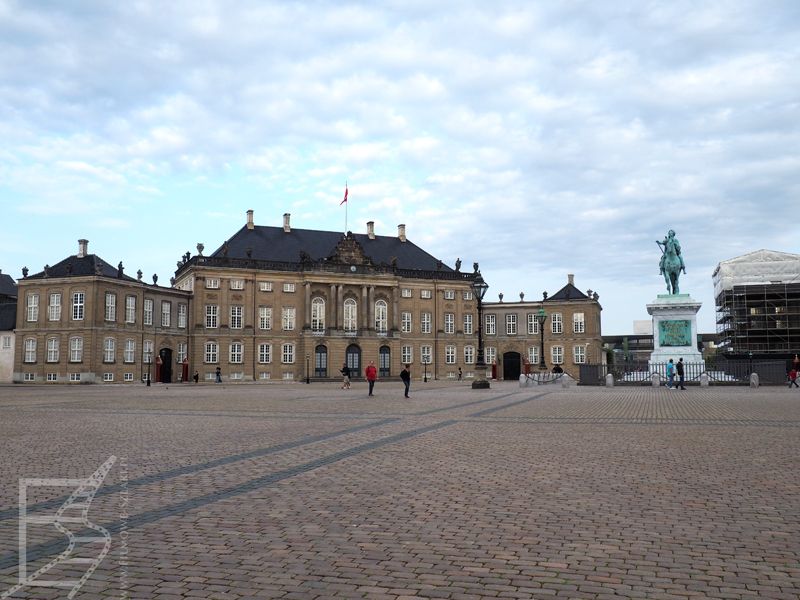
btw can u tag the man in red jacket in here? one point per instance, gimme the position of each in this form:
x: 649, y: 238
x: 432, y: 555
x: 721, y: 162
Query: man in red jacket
x: 372, y: 375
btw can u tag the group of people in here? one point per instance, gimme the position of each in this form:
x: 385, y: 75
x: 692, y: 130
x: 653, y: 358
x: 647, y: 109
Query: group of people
x: 676, y: 369
x: 371, y: 373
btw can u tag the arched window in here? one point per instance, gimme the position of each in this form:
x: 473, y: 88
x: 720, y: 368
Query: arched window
x: 353, y: 360
x: 381, y: 316
x: 318, y: 314
x: 320, y: 361
x: 350, y: 315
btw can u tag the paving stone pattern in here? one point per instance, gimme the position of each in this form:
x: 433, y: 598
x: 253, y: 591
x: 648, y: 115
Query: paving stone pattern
x: 296, y: 491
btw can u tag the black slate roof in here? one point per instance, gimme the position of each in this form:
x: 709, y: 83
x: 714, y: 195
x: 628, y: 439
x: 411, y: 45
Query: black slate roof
x: 8, y: 316
x: 275, y: 244
x: 8, y: 287
x: 72, y: 266
x: 568, y: 292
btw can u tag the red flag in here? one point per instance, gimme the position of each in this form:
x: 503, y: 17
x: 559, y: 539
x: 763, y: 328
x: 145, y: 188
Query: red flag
x: 345, y: 196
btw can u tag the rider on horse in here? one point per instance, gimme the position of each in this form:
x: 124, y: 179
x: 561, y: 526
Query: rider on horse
x: 672, y: 241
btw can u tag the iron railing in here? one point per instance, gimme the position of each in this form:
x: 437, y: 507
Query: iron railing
x: 720, y: 370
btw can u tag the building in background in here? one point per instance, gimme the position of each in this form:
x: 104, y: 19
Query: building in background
x: 8, y: 320
x: 758, y: 304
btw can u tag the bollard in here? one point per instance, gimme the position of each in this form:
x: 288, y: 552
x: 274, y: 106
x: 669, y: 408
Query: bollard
x: 565, y: 381
x: 754, y: 383
x: 704, y: 380
x: 609, y: 380
x: 523, y: 381
x: 655, y: 378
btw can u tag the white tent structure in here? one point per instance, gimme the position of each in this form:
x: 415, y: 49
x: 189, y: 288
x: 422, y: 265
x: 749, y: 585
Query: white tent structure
x: 756, y: 268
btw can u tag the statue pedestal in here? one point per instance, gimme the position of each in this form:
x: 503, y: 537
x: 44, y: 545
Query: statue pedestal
x: 674, y: 328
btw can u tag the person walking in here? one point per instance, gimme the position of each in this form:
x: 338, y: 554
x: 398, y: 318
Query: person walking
x: 460, y: 374
x: 372, y: 376
x: 670, y: 374
x: 196, y: 376
x: 680, y: 370
x: 793, y: 378
x: 219, y: 375
x: 345, y: 371
x: 405, y: 375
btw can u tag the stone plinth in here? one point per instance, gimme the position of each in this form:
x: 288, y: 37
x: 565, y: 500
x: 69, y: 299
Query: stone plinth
x: 674, y: 328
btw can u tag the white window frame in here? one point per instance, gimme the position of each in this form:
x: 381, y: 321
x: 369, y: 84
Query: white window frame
x: 78, y: 306
x: 511, y: 324
x: 426, y: 354
x: 76, y: 349
x: 533, y: 324
x: 54, y: 307
x: 28, y: 377
x: 265, y: 318
x: 183, y: 348
x: 350, y: 315
x: 130, y: 309
x: 111, y: 307
x: 381, y: 316
x: 407, y: 355
x: 466, y: 295
x: 449, y: 322
x: 6, y: 342
x: 289, y: 287
x: 212, y: 283
x: 237, y: 284
x: 127, y: 377
x: 579, y: 354
x: 74, y: 376
x: 317, y: 314
x: 425, y: 294
x: 237, y: 316
x: 287, y: 354
x: 489, y: 355
x: 405, y: 322
x: 183, y: 312
x: 533, y: 355
x: 236, y: 353
x: 129, y: 354
x: 265, y: 286
x: 148, y: 347
x: 53, y: 346
x: 450, y: 355
x: 406, y: 293
x: 30, y: 350
x: 264, y: 354
x: 166, y: 313
x: 578, y: 323
x: 425, y: 322
x: 211, y: 353
x: 32, y: 307
x: 212, y: 316
x: 147, y: 311
x: 491, y: 324
x: 469, y: 355
x: 468, y: 324
x: 288, y: 318
x: 556, y: 323
x: 557, y: 355
x: 52, y: 377
x: 109, y: 350
x: 449, y: 294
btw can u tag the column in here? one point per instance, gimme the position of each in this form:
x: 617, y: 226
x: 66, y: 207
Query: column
x: 371, y: 318
x: 364, y: 307
x: 332, y: 308
x: 307, y: 324
x: 340, y: 307
x: 395, y: 309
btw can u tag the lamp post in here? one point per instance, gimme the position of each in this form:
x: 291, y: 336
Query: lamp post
x: 308, y: 376
x: 541, y: 317
x: 148, y: 357
x: 479, y: 287
x: 425, y: 367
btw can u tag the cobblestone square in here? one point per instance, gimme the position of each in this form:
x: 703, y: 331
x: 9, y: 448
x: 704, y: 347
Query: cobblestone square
x: 310, y: 491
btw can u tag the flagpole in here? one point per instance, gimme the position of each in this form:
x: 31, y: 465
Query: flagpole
x: 345, y: 207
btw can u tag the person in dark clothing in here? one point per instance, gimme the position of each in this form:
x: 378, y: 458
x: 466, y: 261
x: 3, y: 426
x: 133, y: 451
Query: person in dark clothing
x: 793, y: 378
x: 680, y: 370
x: 196, y: 376
x: 219, y: 375
x: 345, y: 371
x: 405, y: 375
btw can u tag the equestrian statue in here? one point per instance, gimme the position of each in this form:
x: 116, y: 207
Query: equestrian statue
x: 671, y: 263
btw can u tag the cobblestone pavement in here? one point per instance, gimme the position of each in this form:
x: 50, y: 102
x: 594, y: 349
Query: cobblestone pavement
x: 296, y: 491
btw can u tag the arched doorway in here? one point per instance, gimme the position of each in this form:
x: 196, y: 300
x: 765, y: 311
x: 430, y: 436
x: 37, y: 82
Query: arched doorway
x: 384, y: 361
x: 165, y: 354
x: 353, y: 358
x: 511, y: 363
x: 320, y: 361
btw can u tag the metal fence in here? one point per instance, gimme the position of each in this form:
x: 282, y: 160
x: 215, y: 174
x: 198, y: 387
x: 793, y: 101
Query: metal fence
x: 770, y: 372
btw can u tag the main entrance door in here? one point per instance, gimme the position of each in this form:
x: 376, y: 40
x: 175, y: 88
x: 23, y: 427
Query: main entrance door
x: 166, y: 365
x: 320, y: 361
x: 511, y: 362
x: 353, y: 358
x: 385, y: 361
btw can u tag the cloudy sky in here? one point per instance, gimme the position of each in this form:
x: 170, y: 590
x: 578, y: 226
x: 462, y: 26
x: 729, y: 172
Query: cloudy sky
x: 537, y: 138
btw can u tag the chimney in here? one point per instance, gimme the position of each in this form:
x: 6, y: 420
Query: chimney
x: 570, y: 278
x: 250, y: 219
x: 83, y: 248
x: 401, y: 232
x: 286, y: 226
x: 371, y: 229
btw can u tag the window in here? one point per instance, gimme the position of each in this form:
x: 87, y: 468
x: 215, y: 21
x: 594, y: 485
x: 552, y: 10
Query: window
x: 264, y: 353
x: 533, y: 324
x: 425, y: 294
x: 128, y: 377
x: 317, y: 314
x: 264, y: 317
x: 30, y: 350
x: 182, y: 312
x: 425, y: 322
x: 557, y: 355
x: 111, y: 307
x: 381, y: 316
x: 350, y: 315
x: 75, y: 349
x: 236, y: 375
x: 288, y: 318
x: 425, y: 354
x: 33, y: 307
x: 52, y: 377
x: 212, y: 311
x: 265, y: 286
x: 578, y: 324
x: 74, y: 376
x: 182, y: 346
x: 28, y: 377
x: 450, y: 355
x: 54, y: 308
x: 288, y: 287
x: 491, y: 324
x: 469, y: 355
x: 579, y: 354
x: 129, y: 354
x: 449, y: 323
x: 533, y: 355
x: 147, y: 352
x: 212, y: 283
x: 449, y: 294
x: 236, y: 317
x: 405, y: 322
x: 78, y: 300
x: 264, y: 375
x: 511, y: 324
x: 6, y: 342
x: 130, y: 309
x: 236, y: 352
x: 166, y: 313
x: 109, y: 350
x: 406, y: 355
x: 406, y: 293
x: 108, y: 377
x: 148, y: 311
x: 288, y: 353
x: 490, y: 355
x: 467, y: 324
x: 555, y: 323
x: 52, y: 350
x: 237, y: 284
x: 212, y: 352
x: 467, y: 295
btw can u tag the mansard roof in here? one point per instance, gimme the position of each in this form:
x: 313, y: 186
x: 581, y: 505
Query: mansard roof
x: 75, y: 266
x: 568, y: 292
x: 274, y: 244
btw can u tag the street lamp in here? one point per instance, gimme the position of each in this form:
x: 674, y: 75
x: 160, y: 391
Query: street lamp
x: 541, y: 317
x: 425, y: 367
x: 148, y: 357
x: 308, y: 377
x: 479, y: 287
